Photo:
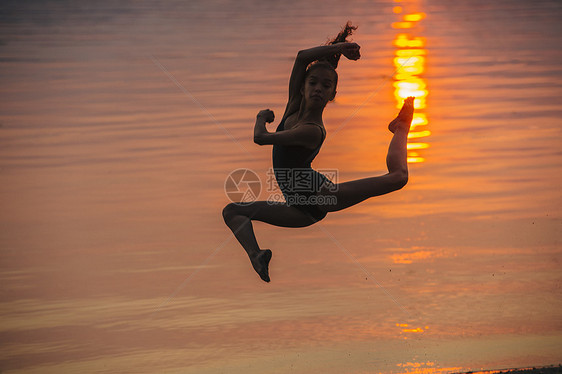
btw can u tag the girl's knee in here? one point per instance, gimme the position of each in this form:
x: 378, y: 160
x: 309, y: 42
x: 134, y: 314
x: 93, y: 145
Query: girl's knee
x: 229, y: 211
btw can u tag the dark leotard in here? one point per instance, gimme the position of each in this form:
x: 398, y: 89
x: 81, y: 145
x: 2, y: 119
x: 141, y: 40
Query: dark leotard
x: 295, y: 176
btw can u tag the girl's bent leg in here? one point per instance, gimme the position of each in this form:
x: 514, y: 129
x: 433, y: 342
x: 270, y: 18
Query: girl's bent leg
x: 238, y: 218
x: 354, y: 192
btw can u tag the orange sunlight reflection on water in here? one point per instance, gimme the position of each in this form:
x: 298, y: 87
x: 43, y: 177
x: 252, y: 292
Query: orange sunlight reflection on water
x: 115, y: 254
x: 425, y: 368
x: 409, y: 63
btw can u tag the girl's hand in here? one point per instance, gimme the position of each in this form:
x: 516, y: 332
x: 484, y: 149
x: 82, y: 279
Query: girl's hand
x: 267, y: 115
x: 350, y: 50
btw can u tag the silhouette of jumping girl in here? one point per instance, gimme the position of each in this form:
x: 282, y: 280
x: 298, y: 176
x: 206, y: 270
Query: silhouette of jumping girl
x: 309, y: 195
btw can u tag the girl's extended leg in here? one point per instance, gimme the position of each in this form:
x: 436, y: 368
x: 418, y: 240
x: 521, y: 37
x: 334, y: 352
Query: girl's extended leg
x: 353, y: 192
x: 239, y: 218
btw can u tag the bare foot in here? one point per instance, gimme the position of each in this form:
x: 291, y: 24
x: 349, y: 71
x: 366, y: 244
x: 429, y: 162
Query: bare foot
x: 261, y: 264
x: 404, y: 118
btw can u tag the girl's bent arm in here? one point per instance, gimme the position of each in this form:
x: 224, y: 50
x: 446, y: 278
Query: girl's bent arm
x: 303, y: 135
x: 259, y: 129
x: 304, y: 58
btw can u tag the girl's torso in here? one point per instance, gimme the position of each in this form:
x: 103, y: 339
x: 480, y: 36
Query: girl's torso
x: 295, y: 156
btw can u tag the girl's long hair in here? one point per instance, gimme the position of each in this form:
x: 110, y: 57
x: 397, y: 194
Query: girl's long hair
x: 331, y: 62
x: 346, y: 32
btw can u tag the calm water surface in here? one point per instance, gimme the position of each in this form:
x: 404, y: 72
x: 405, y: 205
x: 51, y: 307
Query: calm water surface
x: 119, y: 125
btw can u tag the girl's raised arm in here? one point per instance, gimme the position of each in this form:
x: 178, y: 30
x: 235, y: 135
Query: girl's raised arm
x: 304, y: 58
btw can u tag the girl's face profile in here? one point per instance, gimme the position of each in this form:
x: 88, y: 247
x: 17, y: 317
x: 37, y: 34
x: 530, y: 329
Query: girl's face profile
x: 319, y: 86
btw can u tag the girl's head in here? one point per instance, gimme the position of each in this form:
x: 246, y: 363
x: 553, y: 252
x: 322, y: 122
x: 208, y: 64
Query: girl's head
x: 320, y: 83
x: 322, y: 65
x: 328, y: 65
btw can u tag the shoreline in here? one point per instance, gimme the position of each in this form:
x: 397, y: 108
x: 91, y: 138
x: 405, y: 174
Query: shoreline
x: 551, y: 369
